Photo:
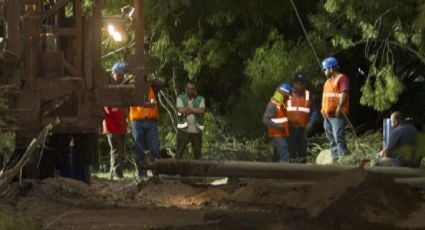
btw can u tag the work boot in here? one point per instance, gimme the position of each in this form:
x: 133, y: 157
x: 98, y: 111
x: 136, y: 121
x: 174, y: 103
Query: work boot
x: 142, y: 169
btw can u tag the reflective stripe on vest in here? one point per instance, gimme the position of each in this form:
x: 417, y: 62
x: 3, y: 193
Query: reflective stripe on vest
x: 181, y: 125
x: 299, y: 109
x: 292, y: 108
x: 279, y: 118
x: 182, y: 120
x: 331, y: 97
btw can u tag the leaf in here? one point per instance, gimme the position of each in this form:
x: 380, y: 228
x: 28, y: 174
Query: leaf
x: 381, y: 89
x: 417, y: 39
x: 332, y: 6
x: 342, y: 42
x: 399, y: 35
x: 368, y: 31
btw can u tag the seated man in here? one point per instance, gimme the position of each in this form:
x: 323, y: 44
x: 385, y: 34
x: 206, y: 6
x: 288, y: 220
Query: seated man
x: 401, y: 145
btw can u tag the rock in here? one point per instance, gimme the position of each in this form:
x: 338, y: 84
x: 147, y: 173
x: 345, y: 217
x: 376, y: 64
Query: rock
x: 324, y: 157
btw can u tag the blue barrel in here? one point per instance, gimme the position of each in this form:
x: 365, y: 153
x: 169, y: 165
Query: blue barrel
x: 387, y: 128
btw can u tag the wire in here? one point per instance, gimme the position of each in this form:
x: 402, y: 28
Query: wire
x: 318, y: 61
x: 305, y: 33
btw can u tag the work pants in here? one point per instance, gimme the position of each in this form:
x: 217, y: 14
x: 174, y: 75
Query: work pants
x: 184, y: 138
x: 297, y: 143
x: 116, y: 144
x: 280, y: 148
x: 335, y: 132
x: 145, y: 132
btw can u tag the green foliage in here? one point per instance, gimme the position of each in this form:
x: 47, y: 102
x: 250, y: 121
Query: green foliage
x: 221, y: 19
x: 339, y: 41
x: 213, y: 126
x: 400, y: 35
x: 270, y: 61
x: 238, y: 51
x: 192, y: 59
x: 368, y: 31
x: 164, y: 49
x: 382, y: 88
x: 362, y: 147
x: 219, y: 145
x: 384, y: 30
x: 216, y: 53
x: 366, y: 146
x: 332, y: 6
x: 274, y: 62
x: 420, y: 18
x: 417, y: 39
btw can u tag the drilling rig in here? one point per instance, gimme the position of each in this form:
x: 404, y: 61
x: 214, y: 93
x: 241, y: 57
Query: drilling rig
x: 51, y: 65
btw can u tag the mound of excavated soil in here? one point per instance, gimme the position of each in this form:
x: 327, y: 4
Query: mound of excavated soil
x: 353, y: 198
x: 376, y: 199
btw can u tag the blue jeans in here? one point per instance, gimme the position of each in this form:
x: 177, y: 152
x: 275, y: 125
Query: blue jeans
x: 297, y: 142
x: 145, y: 132
x: 335, y: 132
x: 280, y: 148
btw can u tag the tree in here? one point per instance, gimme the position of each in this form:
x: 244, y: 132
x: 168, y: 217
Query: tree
x: 238, y: 51
x: 211, y: 41
x: 385, y: 31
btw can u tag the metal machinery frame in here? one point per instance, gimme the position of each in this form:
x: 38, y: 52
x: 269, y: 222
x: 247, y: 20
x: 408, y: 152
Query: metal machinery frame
x: 52, y: 66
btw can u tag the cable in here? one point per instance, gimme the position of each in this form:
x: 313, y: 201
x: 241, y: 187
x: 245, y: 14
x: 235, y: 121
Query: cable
x: 305, y: 33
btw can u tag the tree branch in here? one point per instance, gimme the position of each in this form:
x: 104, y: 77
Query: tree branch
x: 7, y: 176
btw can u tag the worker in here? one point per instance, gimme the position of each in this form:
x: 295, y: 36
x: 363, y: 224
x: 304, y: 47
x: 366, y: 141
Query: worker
x: 115, y: 127
x: 276, y: 120
x: 335, y: 105
x: 302, y: 114
x: 190, y: 107
x: 144, y: 128
x: 400, y: 150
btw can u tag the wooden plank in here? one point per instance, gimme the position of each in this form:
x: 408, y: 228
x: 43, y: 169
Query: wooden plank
x: 142, y: 87
x: 87, y: 52
x: 64, y: 32
x: 99, y: 78
x: 71, y: 69
x: 14, y: 47
x: 78, y: 42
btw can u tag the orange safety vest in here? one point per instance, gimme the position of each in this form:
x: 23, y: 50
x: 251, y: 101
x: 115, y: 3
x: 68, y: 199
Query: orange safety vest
x: 279, y: 118
x: 298, y: 109
x: 141, y: 112
x: 331, y: 97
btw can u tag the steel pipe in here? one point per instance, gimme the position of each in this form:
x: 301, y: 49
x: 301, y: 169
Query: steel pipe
x: 267, y: 169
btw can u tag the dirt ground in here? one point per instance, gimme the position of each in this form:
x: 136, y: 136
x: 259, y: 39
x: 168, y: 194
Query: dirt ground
x: 353, y: 200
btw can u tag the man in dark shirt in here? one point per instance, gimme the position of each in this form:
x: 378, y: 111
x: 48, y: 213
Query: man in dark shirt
x: 401, y: 145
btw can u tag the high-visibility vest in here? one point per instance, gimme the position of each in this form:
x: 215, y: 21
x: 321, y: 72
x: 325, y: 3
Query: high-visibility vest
x: 298, y: 109
x: 182, y: 120
x: 142, y: 113
x: 331, y: 96
x: 281, y: 119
